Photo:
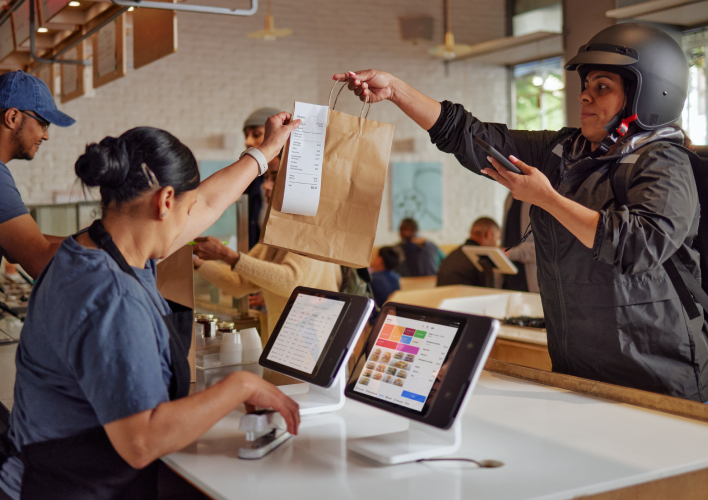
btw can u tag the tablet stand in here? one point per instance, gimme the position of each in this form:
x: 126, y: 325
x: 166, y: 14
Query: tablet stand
x: 419, y: 441
x: 319, y: 399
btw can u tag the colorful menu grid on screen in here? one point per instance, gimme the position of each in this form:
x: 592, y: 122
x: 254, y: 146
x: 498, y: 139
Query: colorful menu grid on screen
x: 406, y: 361
x: 305, y: 332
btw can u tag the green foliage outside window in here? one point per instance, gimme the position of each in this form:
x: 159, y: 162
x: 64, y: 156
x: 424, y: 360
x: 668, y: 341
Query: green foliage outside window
x: 539, y: 90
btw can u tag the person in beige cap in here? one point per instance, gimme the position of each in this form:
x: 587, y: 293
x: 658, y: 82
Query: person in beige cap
x: 254, y: 130
x: 273, y: 271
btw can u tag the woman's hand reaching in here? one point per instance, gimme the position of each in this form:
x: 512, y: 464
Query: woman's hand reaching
x: 375, y: 85
x: 210, y: 248
x: 379, y: 86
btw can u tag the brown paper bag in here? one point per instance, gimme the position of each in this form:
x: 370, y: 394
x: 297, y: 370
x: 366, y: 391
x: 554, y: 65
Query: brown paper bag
x: 354, y: 169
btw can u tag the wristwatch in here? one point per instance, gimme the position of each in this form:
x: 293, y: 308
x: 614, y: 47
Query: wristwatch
x: 259, y: 157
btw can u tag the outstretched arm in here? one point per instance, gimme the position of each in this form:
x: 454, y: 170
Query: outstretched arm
x: 216, y: 193
x: 24, y: 244
x: 378, y: 86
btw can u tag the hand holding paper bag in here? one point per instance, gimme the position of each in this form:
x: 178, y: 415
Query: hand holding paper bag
x: 355, y: 162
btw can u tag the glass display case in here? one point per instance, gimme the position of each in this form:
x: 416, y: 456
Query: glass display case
x: 64, y: 219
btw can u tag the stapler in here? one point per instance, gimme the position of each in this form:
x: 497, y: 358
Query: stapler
x: 266, y: 430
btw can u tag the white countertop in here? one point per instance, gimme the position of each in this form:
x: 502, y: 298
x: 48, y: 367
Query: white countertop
x: 522, y: 334
x: 555, y: 444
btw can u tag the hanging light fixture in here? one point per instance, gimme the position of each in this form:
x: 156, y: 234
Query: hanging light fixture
x: 270, y: 33
x: 449, y: 50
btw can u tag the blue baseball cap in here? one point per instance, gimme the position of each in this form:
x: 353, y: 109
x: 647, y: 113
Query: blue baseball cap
x: 28, y: 93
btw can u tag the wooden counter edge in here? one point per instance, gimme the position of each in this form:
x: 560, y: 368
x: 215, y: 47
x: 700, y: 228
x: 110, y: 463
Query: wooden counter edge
x: 687, y: 486
x: 635, y: 397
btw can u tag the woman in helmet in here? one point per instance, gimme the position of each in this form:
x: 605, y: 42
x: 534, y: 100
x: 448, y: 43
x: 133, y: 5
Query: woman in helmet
x: 612, y: 313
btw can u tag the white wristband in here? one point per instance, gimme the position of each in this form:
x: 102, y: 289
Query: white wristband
x: 259, y: 157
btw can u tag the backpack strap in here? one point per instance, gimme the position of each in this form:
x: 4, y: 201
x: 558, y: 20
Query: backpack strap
x: 621, y: 177
x: 686, y: 285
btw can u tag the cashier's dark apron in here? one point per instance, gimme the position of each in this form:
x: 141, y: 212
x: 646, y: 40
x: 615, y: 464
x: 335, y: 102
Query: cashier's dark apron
x: 86, y: 466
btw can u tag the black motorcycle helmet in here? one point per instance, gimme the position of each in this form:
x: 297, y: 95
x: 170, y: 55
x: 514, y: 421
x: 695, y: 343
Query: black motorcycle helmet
x: 652, y: 64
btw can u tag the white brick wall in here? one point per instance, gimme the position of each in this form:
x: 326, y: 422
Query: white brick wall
x: 218, y: 76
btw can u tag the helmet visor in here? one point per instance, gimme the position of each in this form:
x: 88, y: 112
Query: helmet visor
x: 588, y: 55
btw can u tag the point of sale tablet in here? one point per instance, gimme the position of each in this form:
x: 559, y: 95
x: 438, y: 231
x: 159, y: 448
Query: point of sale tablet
x: 315, y: 333
x: 420, y: 362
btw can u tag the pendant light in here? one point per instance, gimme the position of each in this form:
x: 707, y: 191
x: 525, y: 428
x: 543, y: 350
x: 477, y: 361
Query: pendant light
x: 449, y: 50
x: 270, y: 33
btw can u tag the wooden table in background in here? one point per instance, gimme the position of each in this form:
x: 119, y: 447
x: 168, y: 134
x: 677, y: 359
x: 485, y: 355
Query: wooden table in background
x: 520, y: 349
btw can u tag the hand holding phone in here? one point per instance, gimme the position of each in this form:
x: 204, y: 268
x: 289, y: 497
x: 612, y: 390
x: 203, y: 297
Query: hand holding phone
x: 497, y: 156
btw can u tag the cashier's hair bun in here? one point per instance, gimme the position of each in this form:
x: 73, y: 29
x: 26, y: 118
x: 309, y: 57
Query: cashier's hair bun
x: 104, y: 164
x: 142, y: 159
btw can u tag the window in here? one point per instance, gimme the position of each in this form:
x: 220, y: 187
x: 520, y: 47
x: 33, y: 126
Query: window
x: 695, y: 112
x: 538, y: 91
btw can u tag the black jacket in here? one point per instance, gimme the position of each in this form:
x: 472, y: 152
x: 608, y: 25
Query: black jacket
x: 611, y: 311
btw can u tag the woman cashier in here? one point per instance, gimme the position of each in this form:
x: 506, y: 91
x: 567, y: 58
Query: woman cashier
x: 102, y: 375
x: 612, y: 313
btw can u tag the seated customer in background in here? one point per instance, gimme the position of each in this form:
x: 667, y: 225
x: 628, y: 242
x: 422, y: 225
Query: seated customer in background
x: 457, y: 268
x: 254, y: 132
x: 273, y: 271
x: 384, y: 279
x: 418, y: 256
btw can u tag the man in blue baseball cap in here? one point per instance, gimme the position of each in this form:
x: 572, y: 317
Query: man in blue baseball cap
x: 27, y: 109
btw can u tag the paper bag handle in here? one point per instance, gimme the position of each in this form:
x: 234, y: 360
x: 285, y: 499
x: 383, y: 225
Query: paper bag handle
x: 366, y: 99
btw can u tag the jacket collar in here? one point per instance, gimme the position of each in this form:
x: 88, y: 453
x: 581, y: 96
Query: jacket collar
x: 577, y: 148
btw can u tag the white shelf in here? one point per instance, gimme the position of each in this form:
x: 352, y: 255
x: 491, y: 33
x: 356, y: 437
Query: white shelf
x: 678, y: 12
x: 516, y: 49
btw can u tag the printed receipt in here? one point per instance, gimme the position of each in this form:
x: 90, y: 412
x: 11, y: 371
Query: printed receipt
x: 304, y: 179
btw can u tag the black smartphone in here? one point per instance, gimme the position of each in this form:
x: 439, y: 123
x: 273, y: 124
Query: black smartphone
x: 496, y: 155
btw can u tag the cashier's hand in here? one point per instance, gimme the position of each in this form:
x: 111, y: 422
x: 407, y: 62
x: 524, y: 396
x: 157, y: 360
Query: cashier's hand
x: 262, y: 394
x: 532, y: 187
x: 376, y: 85
x: 210, y: 248
x: 277, y: 131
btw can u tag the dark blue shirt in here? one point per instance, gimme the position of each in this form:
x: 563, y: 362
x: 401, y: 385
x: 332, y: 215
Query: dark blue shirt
x: 11, y: 204
x: 94, y: 349
x: 383, y: 284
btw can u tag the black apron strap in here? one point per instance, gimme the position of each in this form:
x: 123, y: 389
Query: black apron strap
x: 178, y: 322
x: 7, y: 447
x: 104, y: 241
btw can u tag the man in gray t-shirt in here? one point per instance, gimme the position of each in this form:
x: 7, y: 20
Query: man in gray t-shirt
x: 27, y: 109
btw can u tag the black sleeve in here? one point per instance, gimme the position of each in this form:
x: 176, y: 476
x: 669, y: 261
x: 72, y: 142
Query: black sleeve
x: 660, y: 213
x: 456, y: 128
